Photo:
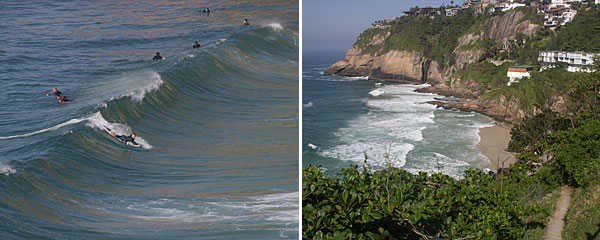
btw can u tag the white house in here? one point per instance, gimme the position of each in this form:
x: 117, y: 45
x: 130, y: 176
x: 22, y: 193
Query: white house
x: 558, y: 16
x: 453, y: 11
x: 577, y: 61
x: 505, y: 6
x: 515, y: 73
x: 560, y: 3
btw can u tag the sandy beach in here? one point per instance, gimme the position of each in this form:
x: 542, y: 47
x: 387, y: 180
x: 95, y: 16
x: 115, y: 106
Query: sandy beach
x: 493, y: 143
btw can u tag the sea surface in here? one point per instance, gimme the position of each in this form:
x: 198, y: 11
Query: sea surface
x: 218, y: 125
x: 346, y: 118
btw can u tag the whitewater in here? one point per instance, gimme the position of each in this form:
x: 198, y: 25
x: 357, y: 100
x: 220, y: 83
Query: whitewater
x: 347, y: 120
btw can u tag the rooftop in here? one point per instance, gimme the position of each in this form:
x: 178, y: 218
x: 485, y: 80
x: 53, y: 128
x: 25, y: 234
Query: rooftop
x: 523, y: 66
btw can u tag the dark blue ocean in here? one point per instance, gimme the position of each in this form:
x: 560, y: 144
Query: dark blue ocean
x: 218, y: 125
x: 346, y: 118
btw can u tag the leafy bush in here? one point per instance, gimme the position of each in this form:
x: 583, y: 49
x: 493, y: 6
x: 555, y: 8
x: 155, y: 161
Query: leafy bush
x: 578, y: 156
x: 394, y: 204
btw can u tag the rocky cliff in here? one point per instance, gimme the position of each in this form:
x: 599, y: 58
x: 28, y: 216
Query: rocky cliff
x: 395, y: 65
x: 412, y: 66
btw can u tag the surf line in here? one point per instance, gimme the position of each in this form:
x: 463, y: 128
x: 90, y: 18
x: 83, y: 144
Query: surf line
x: 72, y: 121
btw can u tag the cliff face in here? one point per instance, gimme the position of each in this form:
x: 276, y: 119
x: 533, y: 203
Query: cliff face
x: 413, y: 67
x: 393, y: 65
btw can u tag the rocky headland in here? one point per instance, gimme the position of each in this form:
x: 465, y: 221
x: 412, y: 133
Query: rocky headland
x: 372, y: 56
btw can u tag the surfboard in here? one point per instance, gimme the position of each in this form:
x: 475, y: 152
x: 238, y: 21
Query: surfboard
x: 126, y: 143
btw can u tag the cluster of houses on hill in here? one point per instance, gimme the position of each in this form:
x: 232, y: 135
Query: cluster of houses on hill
x: 556, y: 12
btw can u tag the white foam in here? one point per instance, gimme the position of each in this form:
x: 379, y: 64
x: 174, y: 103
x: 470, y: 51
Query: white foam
x: 312, y: 146
x: 392, y: 126
x: 275, y: 26
x: 376, y: 93
x: 439, y: 163
x: 307, y: 105
x: 279, y: 208
x: 147, y: 84
x: 376, y: 151
x: 6, y: 169
x: 72, y: 121
x: 360, y: 78
x: 134, y: 85
x: 97, y: 120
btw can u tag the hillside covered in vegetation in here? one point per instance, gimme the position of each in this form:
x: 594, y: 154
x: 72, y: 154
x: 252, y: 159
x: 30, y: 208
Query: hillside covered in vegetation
x: 467, y: 55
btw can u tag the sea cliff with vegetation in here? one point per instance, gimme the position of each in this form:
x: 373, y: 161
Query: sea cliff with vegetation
x: 555, y: 133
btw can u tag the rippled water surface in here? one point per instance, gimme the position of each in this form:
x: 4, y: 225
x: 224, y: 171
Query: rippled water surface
x: 218, y: 125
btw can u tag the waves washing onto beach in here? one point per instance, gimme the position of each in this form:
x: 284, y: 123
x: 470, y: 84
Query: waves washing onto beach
x: 387, y: 123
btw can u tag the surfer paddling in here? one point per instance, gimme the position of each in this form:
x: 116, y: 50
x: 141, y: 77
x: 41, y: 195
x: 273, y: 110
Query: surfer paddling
x: 124, y: 138
x: 207, y: 11
x: 63, y: 99
x: 197, y: 45
x: 58, y: 95
x: 246, y: 21
x: 55, y: 92
x: 158, y: 57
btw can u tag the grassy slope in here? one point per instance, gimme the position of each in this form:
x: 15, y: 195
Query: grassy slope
x: 583, y: 217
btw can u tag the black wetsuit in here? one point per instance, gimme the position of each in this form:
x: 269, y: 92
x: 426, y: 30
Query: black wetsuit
x: 157, y: 57
x: 197, y: 45
x: 57, y: 93
x: 126, y: 139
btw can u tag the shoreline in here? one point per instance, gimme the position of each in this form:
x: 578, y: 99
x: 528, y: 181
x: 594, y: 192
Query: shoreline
x: 493, y: 141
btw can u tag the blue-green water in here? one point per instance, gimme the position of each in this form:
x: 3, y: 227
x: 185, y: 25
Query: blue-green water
x: 345, y: 118
x: 218, y: 124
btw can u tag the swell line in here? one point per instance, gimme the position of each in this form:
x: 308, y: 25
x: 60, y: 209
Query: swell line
x: 72, y: 121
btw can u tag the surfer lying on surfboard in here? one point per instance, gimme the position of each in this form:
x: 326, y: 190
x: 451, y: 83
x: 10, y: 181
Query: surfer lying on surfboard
x: 58, y: 95
x: 129, y: 140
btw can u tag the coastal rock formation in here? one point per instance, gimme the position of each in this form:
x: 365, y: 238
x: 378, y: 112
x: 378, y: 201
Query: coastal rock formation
x: 394, y: 65
x: 411, y: 66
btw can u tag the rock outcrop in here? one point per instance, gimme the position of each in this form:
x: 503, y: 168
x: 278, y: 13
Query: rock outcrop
x: 414, y: 67
x: 394, y: 65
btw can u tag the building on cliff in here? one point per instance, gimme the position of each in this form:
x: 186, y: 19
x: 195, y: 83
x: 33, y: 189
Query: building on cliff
x: 515, y: 73
x: 424, y: 11
x: 559, y: 16
x: 505, y: 6
x: 452, y: 11
x: 577, y: 61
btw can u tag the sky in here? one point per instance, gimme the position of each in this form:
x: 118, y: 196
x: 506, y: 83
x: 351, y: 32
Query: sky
x: 333, y: 25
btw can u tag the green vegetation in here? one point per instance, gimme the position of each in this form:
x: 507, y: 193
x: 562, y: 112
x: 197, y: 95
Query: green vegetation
x: 582, y: 217
x: 534, y: 93
x: 485, y: 72
x: 436, y: 38
x: 394, y: 204
x: 581, y: 34
x: 531, y: 15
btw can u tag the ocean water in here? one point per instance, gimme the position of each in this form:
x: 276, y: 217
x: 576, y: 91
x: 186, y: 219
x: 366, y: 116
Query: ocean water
x: 218, y: 125
x: 345, y: 118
